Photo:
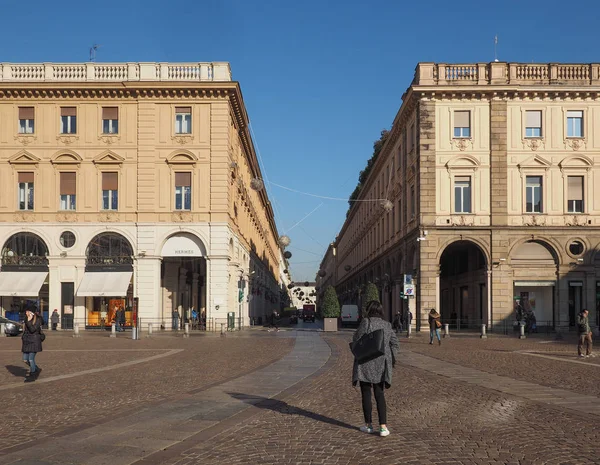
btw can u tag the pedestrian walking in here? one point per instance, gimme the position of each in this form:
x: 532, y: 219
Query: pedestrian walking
x: 273, y: 324
x: 121, y: 318
x: 32, y: 343
x: 375, y: 375
x: 585, y: 334
x: 175, y: 316
x: 397, y: 324
x: 54, y: 318
x: 434, y: 326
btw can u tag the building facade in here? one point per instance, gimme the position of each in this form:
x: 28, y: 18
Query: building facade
x: 484, y: 198
x: 128, y: 185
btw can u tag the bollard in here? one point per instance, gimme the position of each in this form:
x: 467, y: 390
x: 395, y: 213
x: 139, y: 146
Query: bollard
x: 446, y: 330
x: 76, y: 330
x: 2, y: 333
x: 134, y: 333
x: 149, y: 330
x: 223, y: 329
x: 408, y: 329
x: 521, y: 331
x: 483, y: 335
x: 186, y: 330
x: 113, y: 330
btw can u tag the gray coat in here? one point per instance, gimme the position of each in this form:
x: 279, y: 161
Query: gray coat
x: 379, y: 369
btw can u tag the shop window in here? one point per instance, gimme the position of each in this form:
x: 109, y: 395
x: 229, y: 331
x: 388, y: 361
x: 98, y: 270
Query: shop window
x: 26, y: 191
x: 575, y: 194
x: 183, y: 191
x: 533, y: 194
x: 110, y: 191
x: 26, y: 120
x: 68, y: 185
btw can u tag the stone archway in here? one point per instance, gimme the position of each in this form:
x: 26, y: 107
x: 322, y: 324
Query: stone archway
x: 463, y: 285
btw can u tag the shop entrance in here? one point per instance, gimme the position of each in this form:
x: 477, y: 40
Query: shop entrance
x: 462, y: 283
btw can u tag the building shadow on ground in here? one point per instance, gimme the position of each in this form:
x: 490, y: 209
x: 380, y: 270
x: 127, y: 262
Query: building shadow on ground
x: 17, y: 371
x: 285, y: 408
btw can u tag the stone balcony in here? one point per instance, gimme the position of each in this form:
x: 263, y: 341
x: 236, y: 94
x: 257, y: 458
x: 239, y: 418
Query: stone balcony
x: 500, y: 73
x: 114, y: 72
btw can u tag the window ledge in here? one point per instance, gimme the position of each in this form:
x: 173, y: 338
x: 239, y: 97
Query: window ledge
x: 534, y: 143
x: 462, y: 143
x: 67, y: 139
x: 182, y: 139
x: 575, y: 143
x: 109, y: 139
x: 25, y: 139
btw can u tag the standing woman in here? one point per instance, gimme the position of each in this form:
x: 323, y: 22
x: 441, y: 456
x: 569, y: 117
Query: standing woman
x: 434, y: 326
x: 375, y: 374
x: 32, y: 343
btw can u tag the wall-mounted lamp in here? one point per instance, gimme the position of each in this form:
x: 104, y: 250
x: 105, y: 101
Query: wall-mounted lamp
x: 421, y: 238
x: 142, y: 253
x: 496, y: 264
x: 63, y: 254
x: 580, y: 260
x: 217, y: 307
x: 503, y: 259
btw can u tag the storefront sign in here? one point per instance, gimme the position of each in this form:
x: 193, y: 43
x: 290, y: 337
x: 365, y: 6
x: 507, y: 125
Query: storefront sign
x: 183, y: 245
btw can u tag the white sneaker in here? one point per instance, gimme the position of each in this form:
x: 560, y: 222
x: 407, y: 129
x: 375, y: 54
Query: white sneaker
x: 366, y: 429
x: 383, y: 432
x: 581, y: 356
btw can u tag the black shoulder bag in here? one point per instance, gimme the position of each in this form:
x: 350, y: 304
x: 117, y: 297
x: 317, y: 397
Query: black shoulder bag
x: 370, y: 346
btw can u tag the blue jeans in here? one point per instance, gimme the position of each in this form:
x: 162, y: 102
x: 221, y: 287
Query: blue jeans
x: 175, y: 323
x: 432, y: 332
x: 30, y: 357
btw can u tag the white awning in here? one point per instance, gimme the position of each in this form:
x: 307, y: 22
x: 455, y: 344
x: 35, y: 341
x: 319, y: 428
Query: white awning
x: 535, y: 283
x: 108, y: 284
x: 21, y: 283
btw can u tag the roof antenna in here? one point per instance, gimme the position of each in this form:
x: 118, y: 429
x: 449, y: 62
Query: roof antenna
x: 93, y: 51
x: 496, y: 48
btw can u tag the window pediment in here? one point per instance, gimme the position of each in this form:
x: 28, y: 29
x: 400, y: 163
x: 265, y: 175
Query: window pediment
x: 535, y: 162
x: 576, y: 161
x: 463, y: 162
x: 66, y: 157
x: 23, y: 157
x: 182, y: 157
x: 108, y: 157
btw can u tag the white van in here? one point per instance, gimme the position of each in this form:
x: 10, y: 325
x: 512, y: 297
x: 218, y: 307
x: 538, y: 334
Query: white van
x: 349, y: 314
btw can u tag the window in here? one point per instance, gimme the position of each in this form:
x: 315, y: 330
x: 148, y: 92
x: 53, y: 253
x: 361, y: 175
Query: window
x: 67, y: 239
x: 67, y: 191
x: 462, y: 124
x: 576, y: 248
x: 533, y: 194
x: 462, y: 194
x: 411, y: 137
x: 110, y: 120
x: 68, y: 120
x: 574, y: 123
x: 413, y: 202
x: 183, y: 191
x: 575, y: 194
x: 533, y: 123
x: 183, y: 120
x: 26, y: 119
x: 25, y: 191
x: 110, y: 191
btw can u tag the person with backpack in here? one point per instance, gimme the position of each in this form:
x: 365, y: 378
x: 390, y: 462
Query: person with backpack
x: 585, y: 334
x: 375, y: 374
x: 32, y: 343
x: 434, y: 326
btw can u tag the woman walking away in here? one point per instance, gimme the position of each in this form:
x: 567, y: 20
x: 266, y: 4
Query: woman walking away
x: 434, y: 326
x: 375, y: 374
x: 32, y: 344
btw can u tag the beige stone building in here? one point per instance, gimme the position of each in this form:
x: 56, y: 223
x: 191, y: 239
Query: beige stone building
x: 128, y: 185
x: 492, y: 171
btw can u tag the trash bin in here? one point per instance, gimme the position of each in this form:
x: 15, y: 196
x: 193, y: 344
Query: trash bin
x: 230, y: 321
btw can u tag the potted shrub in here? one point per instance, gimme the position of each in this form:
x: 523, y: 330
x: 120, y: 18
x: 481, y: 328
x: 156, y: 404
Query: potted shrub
x: 331, y: 309
x: 371, y: 293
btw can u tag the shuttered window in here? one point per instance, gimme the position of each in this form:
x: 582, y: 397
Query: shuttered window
x: 110, y: 192
x: 575, y: 194
x: 462, y: 124
x: 26, y: 120
x: 68, y: 188
x: 533, y: 123
x: 462, y: 194
x: 110, y: 120
x: 183, y: 191
x: 574, y: 123
x: 68, y: 120
x: 25, y: 181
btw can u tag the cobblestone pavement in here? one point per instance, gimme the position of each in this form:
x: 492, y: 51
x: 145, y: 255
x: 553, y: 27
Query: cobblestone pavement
x: 510, y: 356
x: 433, y: 419
x: 80, y: 401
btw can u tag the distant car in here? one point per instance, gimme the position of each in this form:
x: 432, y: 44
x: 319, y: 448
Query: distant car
x: 294, y: 319
x: 11, y: 328
x: 349, y: 315
x: 309, y: 315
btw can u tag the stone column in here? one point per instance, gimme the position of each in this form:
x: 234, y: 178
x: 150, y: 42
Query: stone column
x: 489, y: 298
x: 562, y: 299
x: 498, y: 163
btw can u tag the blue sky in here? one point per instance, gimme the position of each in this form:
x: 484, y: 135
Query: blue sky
x: 320, y: 78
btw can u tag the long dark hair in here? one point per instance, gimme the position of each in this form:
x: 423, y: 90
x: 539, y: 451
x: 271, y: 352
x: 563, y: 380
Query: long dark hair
x: 374, y: 309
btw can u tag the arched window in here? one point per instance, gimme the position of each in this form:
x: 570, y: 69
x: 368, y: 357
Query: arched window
x: 109, y: 250
x: 24, y: 250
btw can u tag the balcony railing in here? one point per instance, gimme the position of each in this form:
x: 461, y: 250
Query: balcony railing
x: 498, y: 73
x: 114, y: 72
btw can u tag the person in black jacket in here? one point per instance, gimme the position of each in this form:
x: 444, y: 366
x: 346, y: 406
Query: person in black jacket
x: 32, y: 343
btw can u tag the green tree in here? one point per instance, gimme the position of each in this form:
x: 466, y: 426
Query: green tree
x: 331, y: 304
x: 371, y: 293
